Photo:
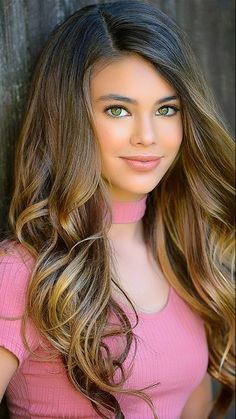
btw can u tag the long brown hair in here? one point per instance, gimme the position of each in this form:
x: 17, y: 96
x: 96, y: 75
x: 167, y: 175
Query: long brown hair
x: 57, y: 210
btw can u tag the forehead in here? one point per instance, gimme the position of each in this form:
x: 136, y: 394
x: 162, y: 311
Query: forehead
x: 131, y: 75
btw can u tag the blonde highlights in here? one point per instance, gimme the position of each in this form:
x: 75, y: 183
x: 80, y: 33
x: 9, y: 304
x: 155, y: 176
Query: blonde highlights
x: 57, y: 210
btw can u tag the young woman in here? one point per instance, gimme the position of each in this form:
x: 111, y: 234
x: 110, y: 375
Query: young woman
x: 117, y: 283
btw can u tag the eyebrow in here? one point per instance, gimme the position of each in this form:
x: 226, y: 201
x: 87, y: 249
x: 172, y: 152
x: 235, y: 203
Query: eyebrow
x: 120, y: 98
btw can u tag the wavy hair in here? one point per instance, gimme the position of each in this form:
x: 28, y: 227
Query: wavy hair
x: 57, y: 209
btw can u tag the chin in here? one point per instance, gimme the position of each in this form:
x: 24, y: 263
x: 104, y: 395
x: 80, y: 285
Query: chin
x: 142, y: 189
x: 126, y: 194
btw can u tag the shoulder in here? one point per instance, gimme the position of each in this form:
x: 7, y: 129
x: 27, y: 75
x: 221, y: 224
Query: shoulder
x: 16, y: 265
x: 13, y: 252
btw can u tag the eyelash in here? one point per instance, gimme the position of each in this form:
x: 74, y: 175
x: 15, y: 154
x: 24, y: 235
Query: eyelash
x: 175, y: 108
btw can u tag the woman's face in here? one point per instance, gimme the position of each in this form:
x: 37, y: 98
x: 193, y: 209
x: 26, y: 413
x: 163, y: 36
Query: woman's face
x: 143, y: 123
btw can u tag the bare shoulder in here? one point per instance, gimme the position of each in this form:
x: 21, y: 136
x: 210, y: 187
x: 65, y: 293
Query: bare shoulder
x: 200, y: 402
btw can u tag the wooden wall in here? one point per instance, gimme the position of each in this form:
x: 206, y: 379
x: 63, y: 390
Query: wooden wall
x: 26, y: 24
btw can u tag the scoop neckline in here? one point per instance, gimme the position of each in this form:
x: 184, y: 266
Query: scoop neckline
x: 149, y: 315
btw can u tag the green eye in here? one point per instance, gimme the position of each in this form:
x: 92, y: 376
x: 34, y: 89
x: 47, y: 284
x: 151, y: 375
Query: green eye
x: 164, y: 111
x: 167, y: 110
x: 116, y: 111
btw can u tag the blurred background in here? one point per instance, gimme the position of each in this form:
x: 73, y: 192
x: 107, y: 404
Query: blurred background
x: 24, y: 28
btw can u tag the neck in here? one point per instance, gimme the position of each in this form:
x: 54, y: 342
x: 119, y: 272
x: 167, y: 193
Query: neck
x: 127, y: 223
x: 126, y: 233
x: 125, y: 212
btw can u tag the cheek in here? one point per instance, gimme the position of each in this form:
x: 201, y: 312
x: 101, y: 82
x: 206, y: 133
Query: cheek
x: 112, y: 137
x: 172, y: 135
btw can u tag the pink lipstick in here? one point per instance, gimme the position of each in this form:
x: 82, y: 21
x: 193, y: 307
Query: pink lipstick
x: 142, y: 163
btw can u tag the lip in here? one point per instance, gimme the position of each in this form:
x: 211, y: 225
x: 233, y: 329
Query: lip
x: 142, y: 163
x: 142, y: 158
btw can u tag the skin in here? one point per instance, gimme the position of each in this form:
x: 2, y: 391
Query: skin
x: 8, y: 365
x: 141, y: 129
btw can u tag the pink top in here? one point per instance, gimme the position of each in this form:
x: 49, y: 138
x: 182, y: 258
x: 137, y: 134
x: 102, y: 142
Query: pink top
x: 172, y: 350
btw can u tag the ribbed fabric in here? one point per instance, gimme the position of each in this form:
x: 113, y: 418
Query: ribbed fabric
x: 128, y: 212
x: 171, y: 350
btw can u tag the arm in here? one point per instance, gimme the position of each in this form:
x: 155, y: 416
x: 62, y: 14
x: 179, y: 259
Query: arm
x: 8, y: 365
x: 200, y: 402
x: 14, y: 277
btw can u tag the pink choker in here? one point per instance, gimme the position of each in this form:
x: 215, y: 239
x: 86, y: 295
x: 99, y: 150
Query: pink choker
x: 128, y: 212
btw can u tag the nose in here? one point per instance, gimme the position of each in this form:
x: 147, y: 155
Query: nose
x: 143, y: 132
